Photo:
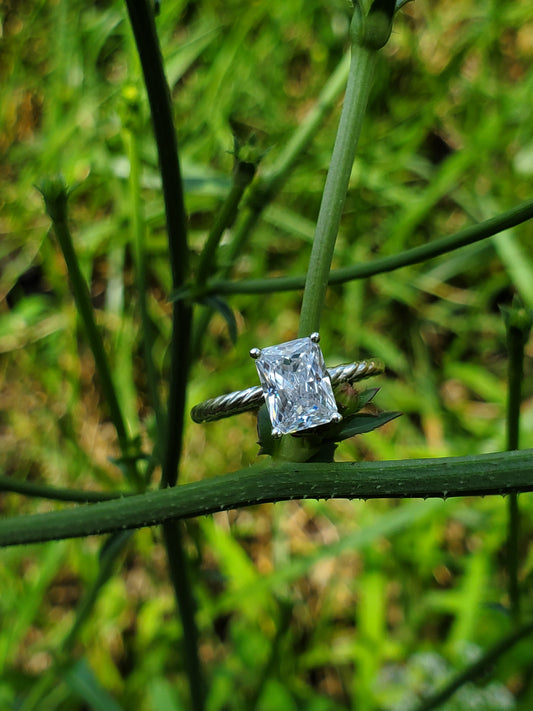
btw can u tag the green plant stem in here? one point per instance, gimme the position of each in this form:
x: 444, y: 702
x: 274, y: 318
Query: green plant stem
x: 516, y: 339
x: 187, y: 608
x: 56, y: 493
x: 430, y: 250
x: 110, y: 551
x: 481, y: 475
x: 242, y: 177
x: 112, y: 548
x: 138, y: 232
x: 57, y: 209
x: 515, y: 344
x: 275, y: 655
x: 265, y: 188
x: 363, y: 61
x: 476, y: 669
x: 513, y: 536
x: 146, y: 39
x: 144, y: 31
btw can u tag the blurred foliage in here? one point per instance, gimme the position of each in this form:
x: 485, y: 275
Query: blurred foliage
x: 308, y: 605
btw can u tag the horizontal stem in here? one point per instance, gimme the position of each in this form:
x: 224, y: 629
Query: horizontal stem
x: 479, y: 475
x: 56, y: 493
x: 422, y: 253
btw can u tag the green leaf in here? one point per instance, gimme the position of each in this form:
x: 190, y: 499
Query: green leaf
x: 218, y: 304
x: 268, y: 444
x: 163, y: 696
x: 377, y: 25
x: 184, y: 292
x: 361, y: 423
x: 82, y: 682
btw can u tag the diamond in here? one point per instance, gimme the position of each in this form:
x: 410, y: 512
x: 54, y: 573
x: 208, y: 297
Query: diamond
x: 297, y: 386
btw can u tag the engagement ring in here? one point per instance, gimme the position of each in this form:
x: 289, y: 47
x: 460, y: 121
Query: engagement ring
x: 295, y: 385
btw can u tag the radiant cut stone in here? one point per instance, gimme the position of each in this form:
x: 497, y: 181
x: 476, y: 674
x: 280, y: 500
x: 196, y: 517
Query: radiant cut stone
x: 297, y: 386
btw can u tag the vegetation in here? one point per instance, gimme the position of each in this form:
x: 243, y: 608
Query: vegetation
x: 137, y: 304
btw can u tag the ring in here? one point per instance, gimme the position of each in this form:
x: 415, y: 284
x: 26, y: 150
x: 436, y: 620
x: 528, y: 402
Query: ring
x: 295, y: 384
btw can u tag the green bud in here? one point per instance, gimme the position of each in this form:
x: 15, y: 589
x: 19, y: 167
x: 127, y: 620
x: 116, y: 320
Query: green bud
x: 373, y: 30
x: 55, y: 193
x: 518, y: 318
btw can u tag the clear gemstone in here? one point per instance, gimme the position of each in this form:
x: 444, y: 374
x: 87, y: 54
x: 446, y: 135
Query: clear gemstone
x: 296, y: 385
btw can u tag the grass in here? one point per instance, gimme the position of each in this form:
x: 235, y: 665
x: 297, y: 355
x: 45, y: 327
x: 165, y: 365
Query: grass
x: 340, y: 604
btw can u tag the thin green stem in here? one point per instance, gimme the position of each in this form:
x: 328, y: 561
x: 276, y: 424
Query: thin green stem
x: 515, y: 344
x: 481, y: 475
x: 145, y: 33
x: 56, y: 197
x: 242, y: 177
x: 264, y: 189
x: 518, y: 325
x: 275, y: 654
x: 56, y: 493
x: 138, y: 233
x: 86, y: 312
x: 360, y: 76
x: 146, y: 39
x: 479, y: 667
x: 179, y: 570
x: 469, y: 235
x: 513, y: 536
x: 110, y: 551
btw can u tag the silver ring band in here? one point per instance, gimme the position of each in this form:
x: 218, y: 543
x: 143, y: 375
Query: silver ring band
x: 252, y: 398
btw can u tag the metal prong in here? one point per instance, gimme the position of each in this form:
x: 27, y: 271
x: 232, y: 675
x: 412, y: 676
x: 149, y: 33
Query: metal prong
x: 337, y: 417
x: 276, y: 434
x: 255, y: 353
x: 315, y: 337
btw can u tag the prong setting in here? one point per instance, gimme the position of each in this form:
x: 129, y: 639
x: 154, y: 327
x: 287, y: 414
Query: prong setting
x: 315, y: 337
x: 276, y: 434
x: 337, y: 418
x: 255, y: 353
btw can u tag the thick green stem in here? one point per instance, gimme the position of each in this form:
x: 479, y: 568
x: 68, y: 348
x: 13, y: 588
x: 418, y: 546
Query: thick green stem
x: 145, y: 33
x: 416, y: 255
x: 357, y: 91
x: 480, y: 475
x: 144, y: 30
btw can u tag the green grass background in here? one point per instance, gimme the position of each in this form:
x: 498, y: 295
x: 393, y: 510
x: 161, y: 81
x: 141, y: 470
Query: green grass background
x: 338, y: 605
